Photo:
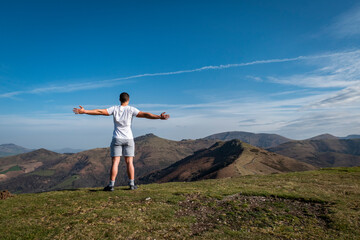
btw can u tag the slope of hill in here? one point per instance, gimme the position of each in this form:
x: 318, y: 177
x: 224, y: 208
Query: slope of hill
x: 14, y: 166
x: 12, y: 149
x: 226, y: 159
x: 53, y: 171
x: 301, y: 205
x: 262, y: 140
x: 323, y: 153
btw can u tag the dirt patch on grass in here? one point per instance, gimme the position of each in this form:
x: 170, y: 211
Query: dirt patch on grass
x: 5, y: 194
x: 271, y: 215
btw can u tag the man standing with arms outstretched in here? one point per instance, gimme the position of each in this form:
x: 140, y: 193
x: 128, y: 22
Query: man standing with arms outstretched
x: 122, y: 143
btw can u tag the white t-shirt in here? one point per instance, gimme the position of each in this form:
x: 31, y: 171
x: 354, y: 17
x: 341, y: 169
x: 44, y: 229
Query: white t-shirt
x: 122, y: 120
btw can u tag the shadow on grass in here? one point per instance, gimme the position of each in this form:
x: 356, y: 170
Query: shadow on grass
x: 116, y: 189
x: 96, y: 190
x: 69, y: 190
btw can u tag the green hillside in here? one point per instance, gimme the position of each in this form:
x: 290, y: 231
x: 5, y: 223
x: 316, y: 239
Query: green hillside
x: 323, y: 204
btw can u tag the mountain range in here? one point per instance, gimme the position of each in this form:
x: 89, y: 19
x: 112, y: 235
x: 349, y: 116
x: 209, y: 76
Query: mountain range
x: 263, y: 140
x: 43, y: 170
x: 159, y: 159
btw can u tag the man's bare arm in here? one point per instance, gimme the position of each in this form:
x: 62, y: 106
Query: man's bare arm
x: 81, y: 110
x: 147, y: 115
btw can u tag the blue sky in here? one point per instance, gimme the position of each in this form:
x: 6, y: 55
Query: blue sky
x: 285, y: 67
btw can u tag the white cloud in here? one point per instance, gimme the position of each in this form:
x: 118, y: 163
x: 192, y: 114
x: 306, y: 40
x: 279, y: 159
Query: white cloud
x: 121, y: 80
x: 333, y: 71
x: 256, y: 79
x: 347, y: 24
x: 347, y: 97
x: 64, y: 88
x: 337, y: 122
x: 287, y: 117
x: 299, y: 113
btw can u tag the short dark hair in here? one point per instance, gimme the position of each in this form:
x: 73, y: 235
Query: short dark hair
x: 124, y: 97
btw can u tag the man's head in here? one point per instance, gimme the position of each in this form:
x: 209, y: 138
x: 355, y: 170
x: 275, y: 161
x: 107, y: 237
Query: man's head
x: 124, y: 97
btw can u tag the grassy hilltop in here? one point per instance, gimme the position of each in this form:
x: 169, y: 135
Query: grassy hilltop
x: 323, y: 204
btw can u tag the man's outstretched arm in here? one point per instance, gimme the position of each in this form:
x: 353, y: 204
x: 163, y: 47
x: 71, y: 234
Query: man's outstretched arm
x: 81, y: 110
x: 147, y: 115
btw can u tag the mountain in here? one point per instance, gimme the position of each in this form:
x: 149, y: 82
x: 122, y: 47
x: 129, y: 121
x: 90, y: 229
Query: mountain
x: 14, y: 166
x: 12, y: 149
x: 351, y: 137
x: 154, y: 153
x: 43, y: 170
x: 323, y: 137
x: 323, y: 153
x: 67, y: 150
x: 262, y: 140
x: 226, y: 159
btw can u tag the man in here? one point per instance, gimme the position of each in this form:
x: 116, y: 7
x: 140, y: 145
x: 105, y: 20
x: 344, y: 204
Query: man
x: 122, y: 143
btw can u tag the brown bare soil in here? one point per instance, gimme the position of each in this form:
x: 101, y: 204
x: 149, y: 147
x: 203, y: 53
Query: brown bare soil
x: 253, y: 212
x: 5, y: 194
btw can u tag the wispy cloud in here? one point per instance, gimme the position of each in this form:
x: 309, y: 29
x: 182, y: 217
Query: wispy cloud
x: 298, y: 113
x: 348, y: 96
x: 256, y: 79
x: 287, y: 117
x: 122, y: 80
x: 263, y: 113
x: 335, y: 71
x: 337, y: 122
x: 347, y: 24
x: 63, y: 88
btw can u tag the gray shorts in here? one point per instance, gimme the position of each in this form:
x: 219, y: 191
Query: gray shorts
x: 122, y: 147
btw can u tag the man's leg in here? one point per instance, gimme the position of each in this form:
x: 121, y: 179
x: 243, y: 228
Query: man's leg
x: 130, y: 167
x: 130, y: 172
x: 113, y: 173
x: 114, y: 168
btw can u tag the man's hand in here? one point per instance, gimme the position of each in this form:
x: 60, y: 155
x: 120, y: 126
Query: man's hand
x: 80, y: 110
x: 164, y: 116
x: 147, y: 115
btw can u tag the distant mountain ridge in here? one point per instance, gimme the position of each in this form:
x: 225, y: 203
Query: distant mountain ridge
x: 354, y: 136
x: 323, y: 137
x: 324, y: 152
x: 68, y: 150
x: 226, y: 159
x: 329, y: 136
x: 10, y: 149
x: 263, y: 140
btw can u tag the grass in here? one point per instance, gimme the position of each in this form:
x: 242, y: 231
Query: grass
x: 45, y: 173
x: 322, y: 204
x: 13, y: 168
x: 67, y: 183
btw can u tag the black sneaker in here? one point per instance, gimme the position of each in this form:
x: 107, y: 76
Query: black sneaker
x: 109, y: 188
x: 132, y: 187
